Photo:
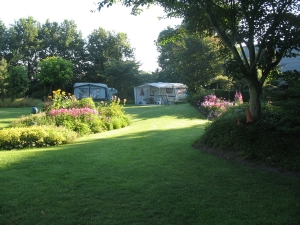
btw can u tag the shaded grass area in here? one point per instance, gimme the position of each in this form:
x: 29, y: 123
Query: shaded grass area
x: 7, y: 115
x: 147, y: 173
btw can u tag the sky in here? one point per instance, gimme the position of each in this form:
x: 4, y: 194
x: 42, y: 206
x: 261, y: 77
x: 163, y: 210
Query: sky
x: 141, y: 30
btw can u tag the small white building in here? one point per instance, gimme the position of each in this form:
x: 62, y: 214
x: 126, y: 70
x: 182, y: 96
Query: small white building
x: 96, y: 91
x: 160, y: 93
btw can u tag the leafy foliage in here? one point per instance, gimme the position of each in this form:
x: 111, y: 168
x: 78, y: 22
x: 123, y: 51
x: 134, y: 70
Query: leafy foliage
x: 190, y: 59
x: 28, y: 43
x: 80, y: 116
x: 3, y: 78
x: 54, y: 72
x: 257, y: 34
x: 272, y: 138
x: 35, y: 136
x: 18, y: 82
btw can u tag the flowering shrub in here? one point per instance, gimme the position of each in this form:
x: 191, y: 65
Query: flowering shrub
x: 65, y: 112
x: 112, y: 109
x: 81, y: 120
x: 238, y: 98
x: 60, y: 99
x: 212, y: 106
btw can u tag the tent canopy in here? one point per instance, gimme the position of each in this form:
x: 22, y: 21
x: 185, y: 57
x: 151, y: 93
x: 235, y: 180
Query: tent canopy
x: 165, y: 85
x: 95, y: 90
x: 149, y: 92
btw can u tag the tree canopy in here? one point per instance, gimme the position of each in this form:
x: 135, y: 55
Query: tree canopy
x: 28, y: 42
x: 55, y: 72
x: 190, y: 59
x: 258, y: 33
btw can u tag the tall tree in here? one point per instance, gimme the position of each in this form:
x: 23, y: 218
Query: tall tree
x: 3, y: 40
x: 55, y: 72
x: 124, y: 76
x: 169, y: 57
x: 49, y: 34
x: 24, y: 44
x: 105, y: 47
x: 3, y: 78
x: 268, y: 29
x: 190, y: 59
x: 17, y: 82
x: 64, y: 40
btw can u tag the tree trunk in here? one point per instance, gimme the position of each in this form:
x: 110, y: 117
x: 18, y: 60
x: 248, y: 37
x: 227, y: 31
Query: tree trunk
x: 255, y: 100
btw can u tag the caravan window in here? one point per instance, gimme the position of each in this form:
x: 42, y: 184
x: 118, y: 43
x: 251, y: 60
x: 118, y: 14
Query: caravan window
x: 181, y: 91
x: 169, y: 90
x: 98, y: 93
x: 83, y: 93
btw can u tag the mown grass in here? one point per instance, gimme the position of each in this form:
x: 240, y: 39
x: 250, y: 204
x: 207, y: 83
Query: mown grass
x: 147, y: 173
x: 7, y: 115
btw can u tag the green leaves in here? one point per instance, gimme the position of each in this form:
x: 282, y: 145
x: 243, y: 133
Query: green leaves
x: 55, y: 71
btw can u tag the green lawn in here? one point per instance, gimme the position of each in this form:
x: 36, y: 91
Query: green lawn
x: 7, y: 115
x: 146, y: 173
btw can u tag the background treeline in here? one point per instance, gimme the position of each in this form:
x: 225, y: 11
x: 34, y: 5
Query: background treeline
x: 103, y: 56
x: 36, y: 59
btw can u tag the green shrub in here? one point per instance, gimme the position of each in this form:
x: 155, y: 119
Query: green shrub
x: 87, y: 103
x: 35, y: 136
x: 116, y: 122
x: 60, y: 100
x: 96, y: 125
x: 34, y: 119
x: 267, y: 139
x: 112, y: 109
x: 193, y: 99
x: 108, y: 123
x: 82, y: 128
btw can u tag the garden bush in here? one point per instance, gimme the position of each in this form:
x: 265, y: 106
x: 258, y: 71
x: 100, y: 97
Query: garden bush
x: 34, y: 119
x: 213, y: 107
x: 86, y: 103
x: 267, y: 139
x: 83, y: 120
x: 65, y: 111
x: 60, y: 99
x: 35, y: 136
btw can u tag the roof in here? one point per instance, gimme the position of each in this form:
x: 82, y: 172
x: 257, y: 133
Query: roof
x: 165, y: 85
x: 286, y: 63
x: 89, y: 84
x: 290, y: 64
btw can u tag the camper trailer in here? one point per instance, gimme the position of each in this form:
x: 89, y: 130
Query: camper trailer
x: 160, y: 93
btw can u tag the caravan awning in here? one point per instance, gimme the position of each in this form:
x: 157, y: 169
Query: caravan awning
x: 165, y: 85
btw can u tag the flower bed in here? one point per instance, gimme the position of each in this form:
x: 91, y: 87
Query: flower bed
x: 212, y: 106
x: 80, y: 116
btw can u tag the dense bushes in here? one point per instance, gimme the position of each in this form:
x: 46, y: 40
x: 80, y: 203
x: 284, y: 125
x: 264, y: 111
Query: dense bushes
x: 81, y: 117
x: 271, y: 138
x: 35, y: 136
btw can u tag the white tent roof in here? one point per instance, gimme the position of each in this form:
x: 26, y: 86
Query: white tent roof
x: 165, y: 85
